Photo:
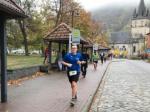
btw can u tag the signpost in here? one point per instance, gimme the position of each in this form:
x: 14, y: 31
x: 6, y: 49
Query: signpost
x: 70, y: 42
x: 74, y: 38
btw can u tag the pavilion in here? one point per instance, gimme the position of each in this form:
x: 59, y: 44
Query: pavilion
x: 60, y: 35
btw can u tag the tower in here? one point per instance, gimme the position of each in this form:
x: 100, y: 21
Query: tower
x: 140, y: 27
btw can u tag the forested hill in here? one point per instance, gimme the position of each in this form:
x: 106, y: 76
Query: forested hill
x: 115, y: 18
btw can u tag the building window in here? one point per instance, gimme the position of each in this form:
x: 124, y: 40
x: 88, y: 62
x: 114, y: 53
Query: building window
x: 124, y: 48
x: 142, y: 23
x: 134, y: 49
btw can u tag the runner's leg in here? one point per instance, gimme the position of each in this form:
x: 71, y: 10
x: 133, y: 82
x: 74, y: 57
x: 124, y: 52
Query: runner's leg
x: 74, y: 88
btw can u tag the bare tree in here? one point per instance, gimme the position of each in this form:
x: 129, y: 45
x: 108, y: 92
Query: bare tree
x: 27, y: 5
x: 64, y: 10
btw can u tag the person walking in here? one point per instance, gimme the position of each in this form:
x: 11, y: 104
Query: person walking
x: 63, y: 55
x: 102, y: 55
x: 73, y: 61
x: 85, y: 57
x: 95, y: 59
x: 46, y: 56
x: 60, y: 59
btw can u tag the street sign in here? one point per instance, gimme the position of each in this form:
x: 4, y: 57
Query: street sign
x: 95, y: 47
x: 76, y: 36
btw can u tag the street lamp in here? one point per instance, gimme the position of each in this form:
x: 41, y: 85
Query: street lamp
x: 74, y: 13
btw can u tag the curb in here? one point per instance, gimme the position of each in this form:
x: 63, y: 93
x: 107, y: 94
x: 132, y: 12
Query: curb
x: 87, y: 106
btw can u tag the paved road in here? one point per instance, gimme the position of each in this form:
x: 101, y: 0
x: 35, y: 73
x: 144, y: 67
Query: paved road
x: 51, y: 93
x: 126, y: 88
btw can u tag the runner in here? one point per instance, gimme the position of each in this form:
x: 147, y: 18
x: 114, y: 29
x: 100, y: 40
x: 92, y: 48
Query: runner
x: 73, y: 61
x: 85, y: 57
x: 95, y: 59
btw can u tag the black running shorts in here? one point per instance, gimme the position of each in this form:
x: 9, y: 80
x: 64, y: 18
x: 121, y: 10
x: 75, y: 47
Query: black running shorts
x: 74, y: 77
x: 95, y: 61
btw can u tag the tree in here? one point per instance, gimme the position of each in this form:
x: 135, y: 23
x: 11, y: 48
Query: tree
x: 28, y: 6
x: 14, y: 35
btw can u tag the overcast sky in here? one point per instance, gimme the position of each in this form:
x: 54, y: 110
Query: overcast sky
x: 94, y: 4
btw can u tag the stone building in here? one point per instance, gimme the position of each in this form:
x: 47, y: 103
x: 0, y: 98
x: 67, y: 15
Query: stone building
x: 147, y: 42
x: 121, y: 41
x: 140, y: 27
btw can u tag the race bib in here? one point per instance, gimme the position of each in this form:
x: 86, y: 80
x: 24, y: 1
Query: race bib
x: 71, y: 73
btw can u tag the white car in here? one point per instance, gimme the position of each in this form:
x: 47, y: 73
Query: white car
x: 18, y: 51
x: 35, y: 52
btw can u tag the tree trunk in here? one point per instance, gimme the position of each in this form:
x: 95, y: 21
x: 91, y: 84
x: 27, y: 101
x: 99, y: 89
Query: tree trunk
x: 59, y: 13
x: 42, y: 49
x: 24, y: 34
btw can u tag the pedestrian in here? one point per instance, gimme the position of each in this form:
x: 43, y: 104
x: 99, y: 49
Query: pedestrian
x: 102, y: 55
x: 60, y: 59
x: 63, y: 55
x: 46, y: 56
x: 105, y: 57
x: 95, y: 59
x: 73, y: 61
x: 85, y: 57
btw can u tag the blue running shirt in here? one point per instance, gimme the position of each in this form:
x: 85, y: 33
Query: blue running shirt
x: 72, y: 59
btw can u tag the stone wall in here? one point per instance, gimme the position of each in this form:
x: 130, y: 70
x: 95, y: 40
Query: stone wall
x: 23, y: 72
x: 18, y: 73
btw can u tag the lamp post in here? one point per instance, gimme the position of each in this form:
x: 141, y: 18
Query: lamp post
x: 74, y: 13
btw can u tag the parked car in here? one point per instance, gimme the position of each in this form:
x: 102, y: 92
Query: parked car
x: 35, y: 52
x: 18, y: 51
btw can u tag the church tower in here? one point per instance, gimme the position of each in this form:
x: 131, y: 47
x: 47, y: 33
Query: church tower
x: 140, y: 27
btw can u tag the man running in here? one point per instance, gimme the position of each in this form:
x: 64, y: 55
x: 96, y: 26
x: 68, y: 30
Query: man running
x: 73, y: 61
x: 95, y: 59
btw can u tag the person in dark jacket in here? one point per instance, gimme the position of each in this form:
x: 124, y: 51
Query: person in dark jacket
x: 85, y: 57
x: 63, y: 55
x: 102, y: 55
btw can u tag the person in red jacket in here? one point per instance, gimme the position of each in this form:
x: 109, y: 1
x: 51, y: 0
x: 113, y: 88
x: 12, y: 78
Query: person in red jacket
x: 46, y: 54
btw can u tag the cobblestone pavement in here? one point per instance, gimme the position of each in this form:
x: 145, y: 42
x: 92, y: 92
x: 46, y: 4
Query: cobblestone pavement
x: 126, y: 88
x: 52, y: 93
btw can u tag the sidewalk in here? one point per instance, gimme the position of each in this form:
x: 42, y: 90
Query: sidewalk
x: 52, y: 93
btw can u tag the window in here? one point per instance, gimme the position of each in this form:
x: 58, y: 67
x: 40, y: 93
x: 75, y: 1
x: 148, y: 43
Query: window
x: 124, y: 48
x: 142, y: 23
x: 134, y: 49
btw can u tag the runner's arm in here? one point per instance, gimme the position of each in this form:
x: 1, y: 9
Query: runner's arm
x: 81, y: 60
x: 67, y: 64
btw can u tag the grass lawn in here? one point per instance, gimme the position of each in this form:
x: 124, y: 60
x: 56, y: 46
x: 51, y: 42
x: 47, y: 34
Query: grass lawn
x: 14, y: 62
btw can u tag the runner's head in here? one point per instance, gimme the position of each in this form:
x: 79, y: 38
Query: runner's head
x: 74, y: 49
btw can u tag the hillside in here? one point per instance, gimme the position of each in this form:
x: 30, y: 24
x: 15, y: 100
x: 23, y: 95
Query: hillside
x: 115, y: 18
